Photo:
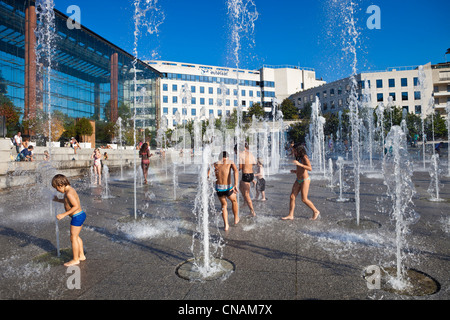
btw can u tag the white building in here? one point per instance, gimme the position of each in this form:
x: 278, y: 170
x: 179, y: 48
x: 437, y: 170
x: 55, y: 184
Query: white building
x: 195, y: 90
x: 400, y: 85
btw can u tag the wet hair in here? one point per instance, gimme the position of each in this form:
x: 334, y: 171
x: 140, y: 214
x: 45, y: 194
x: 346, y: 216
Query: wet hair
x: 60, y: 181
x: 223, y: 155
x: 300, y: 151
x: 144, y: 147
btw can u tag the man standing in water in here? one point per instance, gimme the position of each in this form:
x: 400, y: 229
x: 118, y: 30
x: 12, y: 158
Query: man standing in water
x: 224, y: 188
x: 246, y: 163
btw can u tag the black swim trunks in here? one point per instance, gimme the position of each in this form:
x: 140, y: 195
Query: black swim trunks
x: 248, y: 177
x: 224, y: 191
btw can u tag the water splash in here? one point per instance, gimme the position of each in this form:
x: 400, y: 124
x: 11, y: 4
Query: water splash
x: 400, y: 188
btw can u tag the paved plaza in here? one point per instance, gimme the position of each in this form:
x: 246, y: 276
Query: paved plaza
x: 131, y: 259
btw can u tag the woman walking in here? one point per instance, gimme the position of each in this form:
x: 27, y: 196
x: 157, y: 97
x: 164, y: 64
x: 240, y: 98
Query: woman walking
x: 144, y: 154
x: 301, y: 183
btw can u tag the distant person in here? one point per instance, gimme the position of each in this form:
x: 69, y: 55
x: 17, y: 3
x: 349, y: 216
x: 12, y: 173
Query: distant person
x: 97, y: 156
x: 260, y: 184
x: 18, y: 141
x: 301, y: 184
x: 46, y: 156
x: 26, y: 154
x: 145, y: 155
x: 438, y: 148
x: 246, y: 163
x: 73, y: 209
x: 225, y: 189
x: 74, y: 144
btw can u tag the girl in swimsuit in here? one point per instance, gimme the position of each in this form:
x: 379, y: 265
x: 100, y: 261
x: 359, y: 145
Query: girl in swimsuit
x: 145, y: 155
x: 97, y: 164
x: 302, y: 183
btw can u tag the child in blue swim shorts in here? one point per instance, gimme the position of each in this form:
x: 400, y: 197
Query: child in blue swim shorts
x: 73, y: 209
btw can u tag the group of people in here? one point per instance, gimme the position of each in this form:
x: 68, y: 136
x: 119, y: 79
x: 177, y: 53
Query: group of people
x: 224, y: 170
x: 23, y: 149
x: 225, y: 189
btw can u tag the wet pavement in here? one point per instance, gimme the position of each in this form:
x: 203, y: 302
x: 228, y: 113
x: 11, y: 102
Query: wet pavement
x: 130, y: 259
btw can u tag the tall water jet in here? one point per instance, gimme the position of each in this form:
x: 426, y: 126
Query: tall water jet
x: 400, y: 188
x: 207, y: 263
x: 435, y: 172
x: 242, y: 16
x: 45, y: 52
x: 317, y: 137
x: 151, y: 25
x: 422, y: 86
x: 352, y: 41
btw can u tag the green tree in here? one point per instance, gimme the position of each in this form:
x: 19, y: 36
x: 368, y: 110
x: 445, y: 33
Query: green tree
x: 83, y: 127
x: 290, y: 111
x: 256, y: 110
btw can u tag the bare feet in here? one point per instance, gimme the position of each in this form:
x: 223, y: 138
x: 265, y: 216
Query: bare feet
x: 236, y: 221
x: 83, y: 258
x: 288, y: 218
x: 71, y: 263
x: 315, y: 215
x: 227, y: 227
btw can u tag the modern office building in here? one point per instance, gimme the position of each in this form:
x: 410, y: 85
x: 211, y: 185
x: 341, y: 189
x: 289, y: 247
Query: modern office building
x: 400, y: 86
x: 198, y: 91
x: 90, y: 77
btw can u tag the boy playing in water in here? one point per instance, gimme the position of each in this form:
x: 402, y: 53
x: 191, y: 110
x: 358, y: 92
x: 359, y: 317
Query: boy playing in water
x: 224, y: 188
x: 73, y: 209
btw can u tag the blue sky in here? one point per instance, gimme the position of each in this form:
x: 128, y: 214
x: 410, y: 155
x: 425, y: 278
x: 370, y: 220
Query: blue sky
x: 287, y: 32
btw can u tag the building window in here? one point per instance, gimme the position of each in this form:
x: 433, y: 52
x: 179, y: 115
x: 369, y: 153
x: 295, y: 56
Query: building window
x: 392, y: 94
x: 243, y: 93
x: 380, y: 83
x: 405, y: 108
x: 174, y: 88
x: 202, y: 89
x: 219, y: 112
x: 379, y: 97
x: 174, y: 111
x: 417, y: 95
x: 193, y: 89
x: 202, y: 101
x: 211, y: 101
x: 227, y: 102
x: 418, y: 109
x: 404, y: 96
x: 416, y: 81
x: 250, y: 93
x: 165, y: 87
x: 193, y: 100
x: 210, y: 90
x: 391, y: 83
x: 193, y: 112
x: 165, y: 99
x: 404, y: 82
x: 174, y: 99
x: 211, y: 111
x: 165, y: 110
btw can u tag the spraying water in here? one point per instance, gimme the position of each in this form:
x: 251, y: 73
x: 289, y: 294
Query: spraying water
x: 352, y: 42
x: 151, y: 25
x: 400, y: 189
x: 435, y: 173
x: 422, y: 86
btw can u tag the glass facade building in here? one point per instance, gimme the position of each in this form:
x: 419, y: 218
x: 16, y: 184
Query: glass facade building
x: 90, y: 77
